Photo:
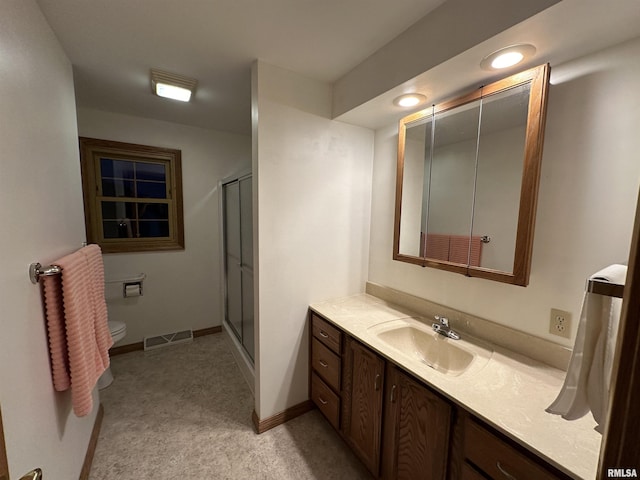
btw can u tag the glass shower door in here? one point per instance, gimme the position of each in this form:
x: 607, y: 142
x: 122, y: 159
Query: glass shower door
x: 238, y: 246
x: 233, y: 260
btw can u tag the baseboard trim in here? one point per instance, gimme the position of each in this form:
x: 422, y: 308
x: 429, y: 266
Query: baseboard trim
x: 93, y: 443
x: 207, y: 331
x: 134, y: 347
x: 290, y: 413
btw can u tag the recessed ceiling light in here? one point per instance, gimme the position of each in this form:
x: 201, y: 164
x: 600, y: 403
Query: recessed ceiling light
x: 507, y: 59
x: 171, y: 85
x: 409, y: 100
x: 508, y: 56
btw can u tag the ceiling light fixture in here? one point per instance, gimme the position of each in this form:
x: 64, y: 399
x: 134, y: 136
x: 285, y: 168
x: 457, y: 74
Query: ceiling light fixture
x: 409, y: 100
x: 171, y: 85
x: 508, y: 56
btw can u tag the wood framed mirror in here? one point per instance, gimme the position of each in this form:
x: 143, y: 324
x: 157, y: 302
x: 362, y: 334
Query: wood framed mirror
x: 467, y: 180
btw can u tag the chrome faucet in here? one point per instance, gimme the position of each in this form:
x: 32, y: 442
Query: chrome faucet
x: 442, y: 327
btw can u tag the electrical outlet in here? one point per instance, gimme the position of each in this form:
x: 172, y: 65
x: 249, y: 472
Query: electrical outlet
x: 560, y: 323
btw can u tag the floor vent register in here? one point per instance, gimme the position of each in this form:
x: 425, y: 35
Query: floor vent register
x: 159, y: 341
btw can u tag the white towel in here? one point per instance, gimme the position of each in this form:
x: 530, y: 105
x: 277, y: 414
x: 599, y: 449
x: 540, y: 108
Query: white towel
x: 586, y: 386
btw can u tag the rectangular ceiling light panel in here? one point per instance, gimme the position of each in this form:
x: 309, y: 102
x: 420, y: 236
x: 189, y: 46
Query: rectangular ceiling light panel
x: 171, y: 85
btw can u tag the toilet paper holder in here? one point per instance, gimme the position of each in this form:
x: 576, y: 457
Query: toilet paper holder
x: 131, y: 284
x: 132, y: 289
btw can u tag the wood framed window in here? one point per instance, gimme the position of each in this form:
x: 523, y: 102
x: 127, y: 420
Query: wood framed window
x: 132, y: 196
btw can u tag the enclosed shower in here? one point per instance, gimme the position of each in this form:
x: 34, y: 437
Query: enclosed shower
x: 238, y: 260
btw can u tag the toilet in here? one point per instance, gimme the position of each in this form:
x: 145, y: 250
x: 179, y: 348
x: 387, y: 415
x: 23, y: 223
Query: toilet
x: 118, y: 331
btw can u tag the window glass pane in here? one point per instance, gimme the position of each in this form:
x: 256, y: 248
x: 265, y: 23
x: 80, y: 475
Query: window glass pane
x: 106, y: 167
x: 118, y: 210
x: 123, y: 228
x: 123, y: 169
x: 153, y: 211
x: 110, y: 228
x: 152, y: 190
x: 150, y: 171
x: 154, y: 228
x: 116, y: 168
x: 117, y: 188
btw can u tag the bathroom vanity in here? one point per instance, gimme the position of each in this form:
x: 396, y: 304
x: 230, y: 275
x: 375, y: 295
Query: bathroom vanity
x: 413, y: 404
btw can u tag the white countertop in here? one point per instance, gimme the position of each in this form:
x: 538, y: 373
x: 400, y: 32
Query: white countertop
x: 510, y: 392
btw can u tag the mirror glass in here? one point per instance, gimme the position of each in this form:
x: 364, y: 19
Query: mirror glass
x: 468, y: 174
x: 449, y: 208
x: 417, y: 150
x: 500, y: 160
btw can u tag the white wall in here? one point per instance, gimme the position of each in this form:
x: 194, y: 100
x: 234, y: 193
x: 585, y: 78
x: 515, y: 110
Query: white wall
x: 182, y: 289
x: 42, y: 220
x: 312, y: 184
x: 587, y: 199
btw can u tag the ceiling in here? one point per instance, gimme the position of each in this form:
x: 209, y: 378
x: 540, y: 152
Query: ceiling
x: 112, y: 44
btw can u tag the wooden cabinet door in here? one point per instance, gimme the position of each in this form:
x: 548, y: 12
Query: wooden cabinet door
x: 362, y: 424
x: 417, y: 426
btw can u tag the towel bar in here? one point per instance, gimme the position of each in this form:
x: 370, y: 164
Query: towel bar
x: 602, y: 287
x: 36, y: 270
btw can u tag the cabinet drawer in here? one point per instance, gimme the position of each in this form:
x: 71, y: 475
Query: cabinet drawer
x: 469, y: 473
x: 327, y: 401
x: 498, y: 459
x: 326, y: 333
x: 326, y: 364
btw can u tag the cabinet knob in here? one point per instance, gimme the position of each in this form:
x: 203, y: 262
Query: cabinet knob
x: 323, y: 334
x: 376, y: 383
x: 323, y: 364
x: 504, y: 472
x: 322, y: 400
x: 392, y: 397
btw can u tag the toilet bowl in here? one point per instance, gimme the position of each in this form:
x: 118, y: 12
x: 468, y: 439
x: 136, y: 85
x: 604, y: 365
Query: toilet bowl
x: 118, y: 331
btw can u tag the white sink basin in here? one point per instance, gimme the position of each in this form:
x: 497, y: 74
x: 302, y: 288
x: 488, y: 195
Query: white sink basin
x: 416, y: 341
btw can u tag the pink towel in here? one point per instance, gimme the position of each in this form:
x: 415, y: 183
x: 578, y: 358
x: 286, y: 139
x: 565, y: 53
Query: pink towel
x: 459, y: 250
x: 79, y: 337
x: 437, y: 246
x: 57, y: 335
x: 476, y: 251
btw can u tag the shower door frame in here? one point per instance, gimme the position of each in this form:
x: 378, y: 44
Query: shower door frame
x: 245, y: 269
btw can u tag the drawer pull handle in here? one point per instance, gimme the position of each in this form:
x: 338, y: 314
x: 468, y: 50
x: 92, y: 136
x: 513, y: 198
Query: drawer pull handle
x: 323, y: 334
x: 376, y: 383
x: 323, y: 364
x: 504, y: 472
x: 322, y: 401
x: 393, y: 394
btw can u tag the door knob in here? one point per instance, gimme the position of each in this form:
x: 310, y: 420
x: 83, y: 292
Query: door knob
x: 33, y: 475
